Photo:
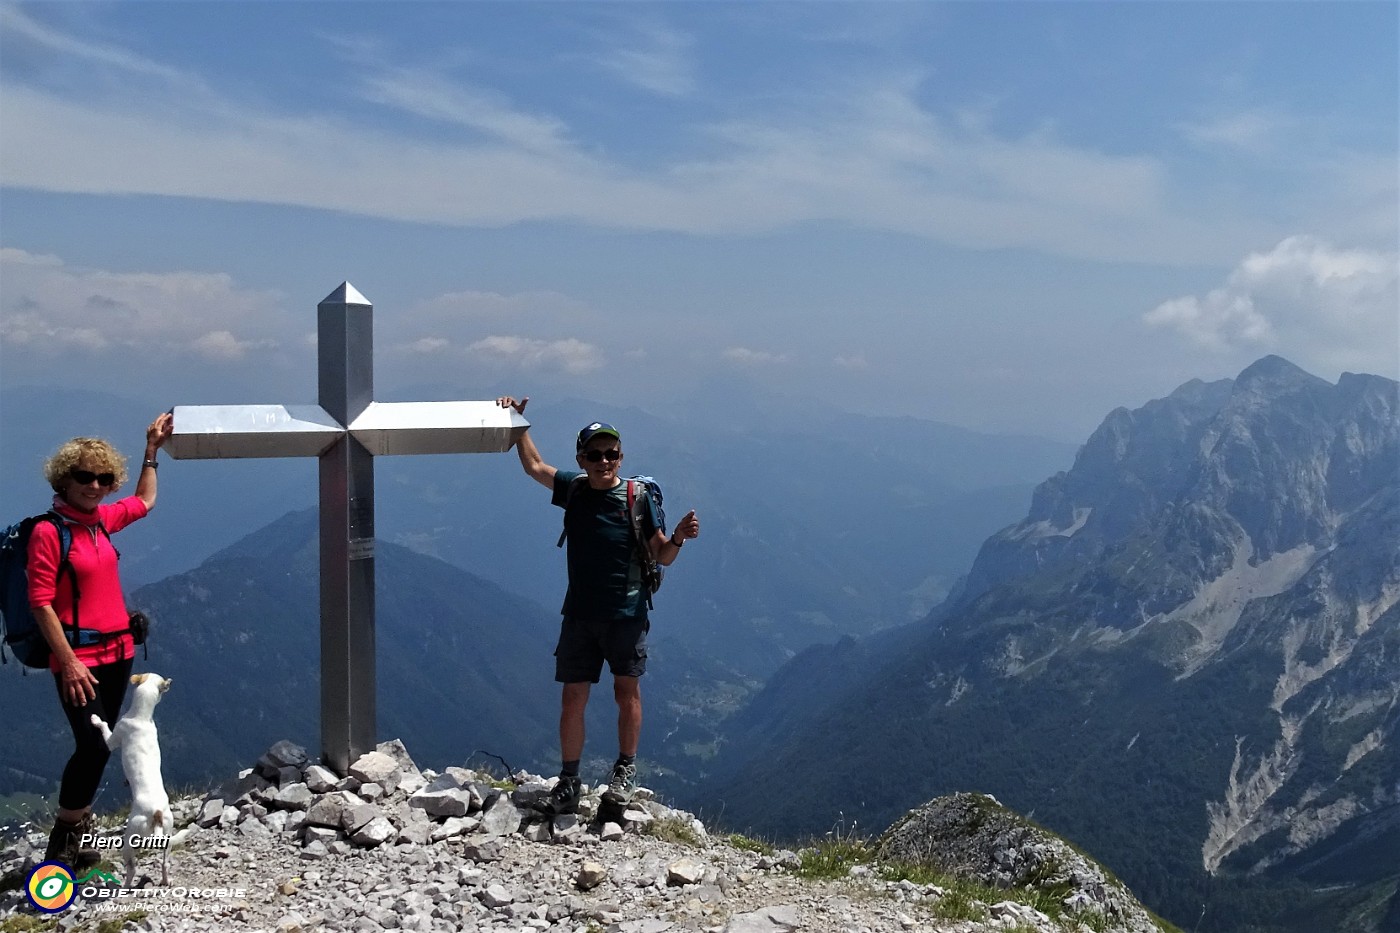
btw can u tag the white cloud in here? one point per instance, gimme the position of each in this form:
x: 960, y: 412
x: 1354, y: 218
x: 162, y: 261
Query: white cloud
x: 428, y: 345
x: 571, y: 355
x: 745, y: 356
x: 16, y: 24
x: 435, y: 97
x: 452, y: 325
x: 871, y: 156
x: 1332, y: 308
x: 9, y: 255
x: 53, y: 309
x: 652, y: 56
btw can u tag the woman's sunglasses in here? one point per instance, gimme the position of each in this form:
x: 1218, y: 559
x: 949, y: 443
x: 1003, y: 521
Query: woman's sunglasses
x: 595, y: 456
x: 83, y: 477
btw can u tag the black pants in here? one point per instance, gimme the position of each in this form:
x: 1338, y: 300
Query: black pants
x: 83, y: 773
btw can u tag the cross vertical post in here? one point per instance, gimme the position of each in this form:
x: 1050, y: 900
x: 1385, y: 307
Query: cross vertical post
x: 346, y: 430
x: 345, y: 341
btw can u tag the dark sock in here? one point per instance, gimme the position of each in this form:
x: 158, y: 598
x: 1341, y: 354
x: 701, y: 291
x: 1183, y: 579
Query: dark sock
x: 626, y: 759
x: 570, y: 768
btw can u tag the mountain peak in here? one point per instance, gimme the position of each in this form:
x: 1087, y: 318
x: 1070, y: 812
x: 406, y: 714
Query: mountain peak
x: 1273, y: 375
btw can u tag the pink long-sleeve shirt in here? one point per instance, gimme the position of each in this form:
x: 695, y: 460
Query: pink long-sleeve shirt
x: 94, y: 560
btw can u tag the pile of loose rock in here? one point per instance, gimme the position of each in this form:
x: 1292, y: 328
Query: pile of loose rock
x: 292, y: 847
x: 384, y: 798
x: 973, y: 836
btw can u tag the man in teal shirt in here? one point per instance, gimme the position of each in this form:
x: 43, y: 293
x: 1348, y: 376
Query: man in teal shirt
x: 605, y: 608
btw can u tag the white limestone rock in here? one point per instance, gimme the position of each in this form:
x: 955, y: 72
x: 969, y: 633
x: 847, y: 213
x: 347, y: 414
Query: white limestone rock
x: 376, y: 768
x: 496, y: 896
x: 503, y: 818
x: 210, y: 814
x: 374, y: 833
x: 297, y: 796
x: 320, y: 779
x: 329, y: 809
x: 590, y: 875
x: 784, y: 918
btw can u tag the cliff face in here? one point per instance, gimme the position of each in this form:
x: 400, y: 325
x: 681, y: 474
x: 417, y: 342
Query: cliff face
x: 1251, y: 526
x: 1185, y: 657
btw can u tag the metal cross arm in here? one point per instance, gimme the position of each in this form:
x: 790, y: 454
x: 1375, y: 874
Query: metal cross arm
x: 345, y: 431
x: 207, y: 432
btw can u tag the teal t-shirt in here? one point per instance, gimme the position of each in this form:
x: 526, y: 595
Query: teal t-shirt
x: 605, y: 577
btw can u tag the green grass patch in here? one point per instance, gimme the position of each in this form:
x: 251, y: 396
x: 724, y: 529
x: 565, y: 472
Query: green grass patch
x: 960, y: 904
x: 28, y: 923
x: 965, y: 899
x: 674, y: 829
x: 745, y: 844
x: 833, y: 858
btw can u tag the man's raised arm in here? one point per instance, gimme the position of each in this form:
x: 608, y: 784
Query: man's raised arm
x: 530, y: 458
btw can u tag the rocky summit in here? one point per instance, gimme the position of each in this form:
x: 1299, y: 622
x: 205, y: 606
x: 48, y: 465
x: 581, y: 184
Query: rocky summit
x: 291, y: 846
x: 973, y: 836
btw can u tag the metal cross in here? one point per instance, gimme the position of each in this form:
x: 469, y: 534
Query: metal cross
x: 345, y: 431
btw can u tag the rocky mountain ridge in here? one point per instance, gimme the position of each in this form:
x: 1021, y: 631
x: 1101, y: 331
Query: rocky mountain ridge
x: 1196, y: 629
x: 291, y: 846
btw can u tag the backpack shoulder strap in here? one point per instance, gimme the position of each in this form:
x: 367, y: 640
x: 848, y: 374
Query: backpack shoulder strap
x: 574, y: 485
x: 635, y: 506
x: 60, y: 525
x: 65, y: 546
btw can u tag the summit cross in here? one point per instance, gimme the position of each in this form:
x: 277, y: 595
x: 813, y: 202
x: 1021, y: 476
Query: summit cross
x: 345, y: 431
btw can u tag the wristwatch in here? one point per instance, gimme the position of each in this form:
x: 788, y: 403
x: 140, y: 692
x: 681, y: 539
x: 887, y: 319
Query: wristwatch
x: 150, y: 463
x: 679, y: 543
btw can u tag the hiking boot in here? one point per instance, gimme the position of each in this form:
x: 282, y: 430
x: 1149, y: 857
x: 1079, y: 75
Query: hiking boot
x: 88, y: 855
x: 564, y: 797
x: 64, y: 844
x: 621, y: 785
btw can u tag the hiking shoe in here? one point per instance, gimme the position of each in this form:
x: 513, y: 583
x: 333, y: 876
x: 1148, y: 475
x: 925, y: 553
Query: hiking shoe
x: 65, y: 843
x: 88, y: 855
x: 622, y: 785
x: 564, y: 797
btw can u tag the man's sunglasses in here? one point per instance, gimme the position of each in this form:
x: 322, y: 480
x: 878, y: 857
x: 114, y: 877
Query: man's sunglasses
x: 83, y: 477
x: 595, y: 456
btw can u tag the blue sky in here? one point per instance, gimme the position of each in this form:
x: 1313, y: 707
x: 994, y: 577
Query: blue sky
x: 1008, y: 216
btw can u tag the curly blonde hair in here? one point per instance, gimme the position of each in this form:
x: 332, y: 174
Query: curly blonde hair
x: 95, y: 450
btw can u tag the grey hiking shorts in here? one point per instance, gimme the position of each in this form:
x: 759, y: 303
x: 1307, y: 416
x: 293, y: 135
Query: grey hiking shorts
x: 584, y: 644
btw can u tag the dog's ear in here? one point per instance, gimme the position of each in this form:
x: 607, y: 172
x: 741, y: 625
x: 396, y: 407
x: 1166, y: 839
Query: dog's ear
x: 138, y: 678
x: 164, y: 684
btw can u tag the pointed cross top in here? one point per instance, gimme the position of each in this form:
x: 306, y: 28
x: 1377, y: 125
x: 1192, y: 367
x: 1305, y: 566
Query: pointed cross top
x: 345, y: 294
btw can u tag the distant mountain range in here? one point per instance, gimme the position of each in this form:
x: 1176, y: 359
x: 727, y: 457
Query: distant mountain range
x: 792, y: 554
x: 1186, y: 658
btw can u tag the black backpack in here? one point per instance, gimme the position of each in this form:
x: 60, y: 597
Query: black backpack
x: 22, y: 633
x: 638, y: 488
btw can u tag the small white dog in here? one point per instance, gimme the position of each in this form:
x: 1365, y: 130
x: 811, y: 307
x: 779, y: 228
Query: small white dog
x: 151, y: 823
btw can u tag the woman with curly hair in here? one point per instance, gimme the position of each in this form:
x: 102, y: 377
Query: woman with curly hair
x: 89, y: 636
